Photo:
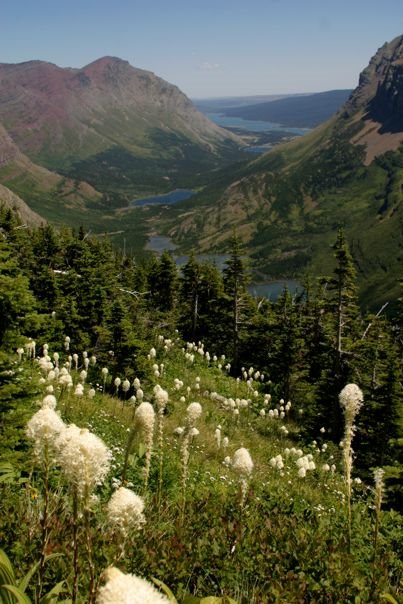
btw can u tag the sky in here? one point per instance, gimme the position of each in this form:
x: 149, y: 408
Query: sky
x: 209, y: 48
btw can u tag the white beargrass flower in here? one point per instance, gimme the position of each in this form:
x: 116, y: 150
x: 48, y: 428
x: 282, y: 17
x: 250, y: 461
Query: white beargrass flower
x: 86, y: 363
x: 125, y: 385
x: 49, y: 389
x: 161, y: 398
x: 139, y: 394
x: 79, y: 390
x: 242, y: 464
x: 217, y: 436
x: 49, y: 401
x: 125, y: 511
x: 43, y: 428
x: 84, y: 459
x: 83, y: 375
x: 144, y: 418
x: 193, y: 412
x: 302, y: 472
x: 194, y: 432
x: 351, y: 400
x: 91, y: 393
x: 128, y: 589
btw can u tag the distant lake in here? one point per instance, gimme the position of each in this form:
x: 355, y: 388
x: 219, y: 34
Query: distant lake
x: 167, y: 198
x: 273, y: 289
x: 270, y: 290
x: 227, y: 121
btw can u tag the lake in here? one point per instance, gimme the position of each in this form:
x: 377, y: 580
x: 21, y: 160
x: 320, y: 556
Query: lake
x: 270, y: 290
x: 273, y: 289
x: 227, y: 121
x: 165, y: 199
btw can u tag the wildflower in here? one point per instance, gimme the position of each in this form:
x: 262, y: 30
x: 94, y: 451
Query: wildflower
x: 128, y: 589
x: 49, y: 401
x: 43, y: 427
x: 125, y: 385
x: 193, y: 412
x: 144, y: 420
x: 125, y: 511
x: 83, y: 457
x: 79, y: 390
x: 161, y: 397
x: 217, y: 436
x: 242, y: 464
x: 302, y: 472
x: 351, y: 400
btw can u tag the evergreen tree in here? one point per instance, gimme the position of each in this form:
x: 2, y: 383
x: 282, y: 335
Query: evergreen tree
x: 16, y: 299
x: 235, y: 283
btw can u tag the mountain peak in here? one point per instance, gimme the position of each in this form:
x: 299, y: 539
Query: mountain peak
x: 384, y: 65
x: 106, y: 62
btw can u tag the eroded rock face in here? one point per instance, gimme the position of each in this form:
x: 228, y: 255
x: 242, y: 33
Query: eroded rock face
x: 380, y: 90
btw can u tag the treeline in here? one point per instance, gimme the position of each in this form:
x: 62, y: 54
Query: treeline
x: 55, y: 284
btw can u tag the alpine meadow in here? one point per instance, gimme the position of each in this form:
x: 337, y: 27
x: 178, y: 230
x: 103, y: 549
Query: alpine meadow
x: 167, y: 435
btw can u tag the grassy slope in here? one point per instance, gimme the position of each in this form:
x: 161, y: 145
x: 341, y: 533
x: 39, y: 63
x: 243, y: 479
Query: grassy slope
x: 288, y: 542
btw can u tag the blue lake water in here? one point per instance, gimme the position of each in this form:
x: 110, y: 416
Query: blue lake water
x: 227, y: 121
x: 270, y: 290
x: 273, y: 289
x: 167, y: 198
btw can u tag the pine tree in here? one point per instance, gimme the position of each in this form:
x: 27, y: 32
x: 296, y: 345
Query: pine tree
x: 235, y: 283
x: 16, y: 299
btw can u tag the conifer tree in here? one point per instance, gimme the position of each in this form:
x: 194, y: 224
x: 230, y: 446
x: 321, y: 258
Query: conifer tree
x: 235, y: 283
x: 16, y: 298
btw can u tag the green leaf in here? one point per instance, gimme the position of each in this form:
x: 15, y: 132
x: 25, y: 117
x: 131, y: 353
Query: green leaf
x: 23, y: 584
x: 389, y: 598
x: 53, y: 593
x: 141, y: 450
x: 8, y: 473
x: 6, y: 569
x: 6, y: 597
x: 18, y: 594
x: 166, y: 590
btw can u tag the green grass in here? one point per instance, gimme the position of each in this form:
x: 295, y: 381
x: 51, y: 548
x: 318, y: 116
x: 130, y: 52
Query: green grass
x: 288, y: 542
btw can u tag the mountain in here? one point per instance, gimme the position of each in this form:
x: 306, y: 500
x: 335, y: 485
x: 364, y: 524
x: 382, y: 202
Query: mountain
x: 22, y: 181
x: 120, y: 128
x: 288, y: 204
x: 304, y: 111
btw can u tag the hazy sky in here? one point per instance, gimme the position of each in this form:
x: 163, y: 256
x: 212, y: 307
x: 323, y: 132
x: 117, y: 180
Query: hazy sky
x: 208, y: 48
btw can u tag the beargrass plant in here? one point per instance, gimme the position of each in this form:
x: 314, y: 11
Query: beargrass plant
x: 293, y: 527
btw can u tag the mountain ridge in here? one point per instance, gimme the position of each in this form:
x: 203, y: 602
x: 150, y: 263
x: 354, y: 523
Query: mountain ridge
x: 287, y: 204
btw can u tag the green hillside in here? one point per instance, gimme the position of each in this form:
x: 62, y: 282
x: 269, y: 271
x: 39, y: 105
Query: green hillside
x: 174, y: 428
